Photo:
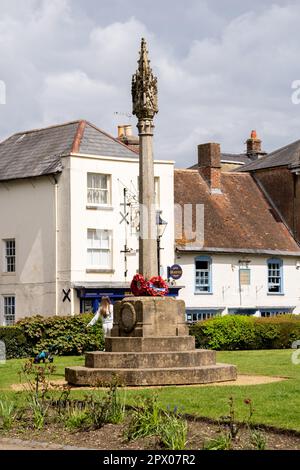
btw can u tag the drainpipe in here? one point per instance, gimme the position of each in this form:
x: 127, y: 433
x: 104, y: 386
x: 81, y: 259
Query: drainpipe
x: 56, y: 242
x: 240, y: 285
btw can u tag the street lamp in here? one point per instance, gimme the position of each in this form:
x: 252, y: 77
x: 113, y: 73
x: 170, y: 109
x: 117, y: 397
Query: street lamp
x: 161, y: 226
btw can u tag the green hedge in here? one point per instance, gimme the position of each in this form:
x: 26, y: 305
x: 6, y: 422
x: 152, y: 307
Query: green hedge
x: 15, y: 342
x: 232, y: 332
x: 63, y: 335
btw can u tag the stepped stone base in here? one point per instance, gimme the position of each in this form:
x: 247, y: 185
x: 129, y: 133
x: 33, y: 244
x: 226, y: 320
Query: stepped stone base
x: 149, y: 360
x: 143, y: 377
x: 150, y: 346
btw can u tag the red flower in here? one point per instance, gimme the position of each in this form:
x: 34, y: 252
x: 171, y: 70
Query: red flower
x: 155, y: 287
x: 138, y: 285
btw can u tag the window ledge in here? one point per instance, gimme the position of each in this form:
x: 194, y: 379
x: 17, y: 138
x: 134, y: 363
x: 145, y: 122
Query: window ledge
x: 203, y: 293
x: 99, y: 207
x: 275, y: 293
x: 9, y: 274
x: 100, y: 270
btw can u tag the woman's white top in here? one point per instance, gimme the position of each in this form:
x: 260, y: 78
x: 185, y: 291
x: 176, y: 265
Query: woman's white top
x: 105, y: 320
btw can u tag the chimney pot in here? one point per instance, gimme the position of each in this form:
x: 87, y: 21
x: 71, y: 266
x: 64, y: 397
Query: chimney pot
x: 128, y: 130
x: 254, y: 150
x: 120, y: 131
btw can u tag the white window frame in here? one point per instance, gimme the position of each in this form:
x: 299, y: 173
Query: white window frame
x: 8, y: 257
x: 5, y: 315
x: 275, y: 276
x: 96, y: 249
x: 202, y: 275
x: 107, y: 191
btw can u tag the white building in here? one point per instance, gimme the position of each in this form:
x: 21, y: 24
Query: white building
x: 63, y: 227
x: 243, y: 258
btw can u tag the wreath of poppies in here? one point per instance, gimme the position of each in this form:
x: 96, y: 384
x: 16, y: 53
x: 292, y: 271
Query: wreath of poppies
x: 155, y: 287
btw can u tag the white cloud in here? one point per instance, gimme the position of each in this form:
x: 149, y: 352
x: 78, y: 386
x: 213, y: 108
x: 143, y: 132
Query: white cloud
x: 233, y: 74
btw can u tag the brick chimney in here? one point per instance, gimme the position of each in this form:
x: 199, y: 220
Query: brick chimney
x: 126, y: 137
x: 209, y: 164
x: 254, y: 150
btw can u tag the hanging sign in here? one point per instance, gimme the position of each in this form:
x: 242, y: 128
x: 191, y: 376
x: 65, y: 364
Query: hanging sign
x: 175, y: 271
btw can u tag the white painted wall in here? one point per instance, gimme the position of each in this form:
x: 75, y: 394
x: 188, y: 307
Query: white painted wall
x: 27, y: 210
x: 124, y: 173
x: 225, y: 283
x: 27, y: 215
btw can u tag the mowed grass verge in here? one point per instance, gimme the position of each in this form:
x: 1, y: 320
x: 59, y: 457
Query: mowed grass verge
x: 275, y: 404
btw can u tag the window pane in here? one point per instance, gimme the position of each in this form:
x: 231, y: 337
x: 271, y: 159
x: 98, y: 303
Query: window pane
x: 98, y: 248
x: 201, y: 264
x: 97, y: 188
x: 274, y: 277
x: 202, y: 281
x: 10, y: 256
x: 9, y: 310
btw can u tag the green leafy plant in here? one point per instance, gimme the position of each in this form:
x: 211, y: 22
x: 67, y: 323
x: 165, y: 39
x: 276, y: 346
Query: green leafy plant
x: 258, y: 439
x: 173, y: 432
x: 16, y: 344
x: 7, y: 414
x: 64, y: 335
x: 221, y: 442
x: 149, y: 419
x: 78, y: 419
x: 145, y: 419
x: 232, y: 332
x: 37, y: 386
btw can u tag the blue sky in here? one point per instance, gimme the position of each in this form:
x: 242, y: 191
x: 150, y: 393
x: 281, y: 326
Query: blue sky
x: 223, y: 67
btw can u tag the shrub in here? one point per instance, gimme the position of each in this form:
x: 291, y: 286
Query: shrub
x: 15, y: 342
x: 62, y: 335
x: 232, y: 332
x: 228, y: 333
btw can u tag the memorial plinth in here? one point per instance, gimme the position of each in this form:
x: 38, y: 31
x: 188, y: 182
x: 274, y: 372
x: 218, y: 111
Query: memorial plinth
x: 150, y: 345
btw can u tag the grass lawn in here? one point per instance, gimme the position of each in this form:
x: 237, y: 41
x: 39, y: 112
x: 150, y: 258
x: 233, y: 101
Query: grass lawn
x: 276, y: 404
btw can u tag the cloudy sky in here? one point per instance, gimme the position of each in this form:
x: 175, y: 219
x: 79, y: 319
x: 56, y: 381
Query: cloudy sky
x: 224, y: 67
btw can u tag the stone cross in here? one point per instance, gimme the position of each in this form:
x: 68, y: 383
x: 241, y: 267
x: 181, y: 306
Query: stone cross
x: 144, y: 98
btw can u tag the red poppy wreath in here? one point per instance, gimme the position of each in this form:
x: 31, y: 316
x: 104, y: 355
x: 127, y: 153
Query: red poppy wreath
x: 155, y: 287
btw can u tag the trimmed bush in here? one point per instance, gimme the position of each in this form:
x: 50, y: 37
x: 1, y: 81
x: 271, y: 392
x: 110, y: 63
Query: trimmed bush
x: 62, y: 335
x: 15, y: 342
x: 232, y: 332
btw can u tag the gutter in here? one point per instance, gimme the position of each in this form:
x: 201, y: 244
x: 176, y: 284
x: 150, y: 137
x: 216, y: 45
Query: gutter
x: 197, y: 249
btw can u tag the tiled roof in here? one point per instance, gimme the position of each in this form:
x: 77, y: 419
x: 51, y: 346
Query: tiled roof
x: 238, y: 219
x: 285, y: 156
x: 38, y: 152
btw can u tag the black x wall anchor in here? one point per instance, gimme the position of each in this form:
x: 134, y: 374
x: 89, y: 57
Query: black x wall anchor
x: 124, y: 218
x: 66, y: 295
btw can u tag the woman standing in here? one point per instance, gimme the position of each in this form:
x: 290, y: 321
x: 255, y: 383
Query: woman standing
x: 105, y: 312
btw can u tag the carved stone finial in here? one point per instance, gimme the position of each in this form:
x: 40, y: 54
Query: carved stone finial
x: 144, y: 87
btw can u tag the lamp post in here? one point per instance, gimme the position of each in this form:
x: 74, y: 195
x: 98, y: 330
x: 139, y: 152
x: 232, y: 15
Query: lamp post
x: 161, y: 227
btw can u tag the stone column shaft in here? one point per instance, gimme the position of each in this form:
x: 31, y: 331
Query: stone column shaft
x: 148, y: 230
